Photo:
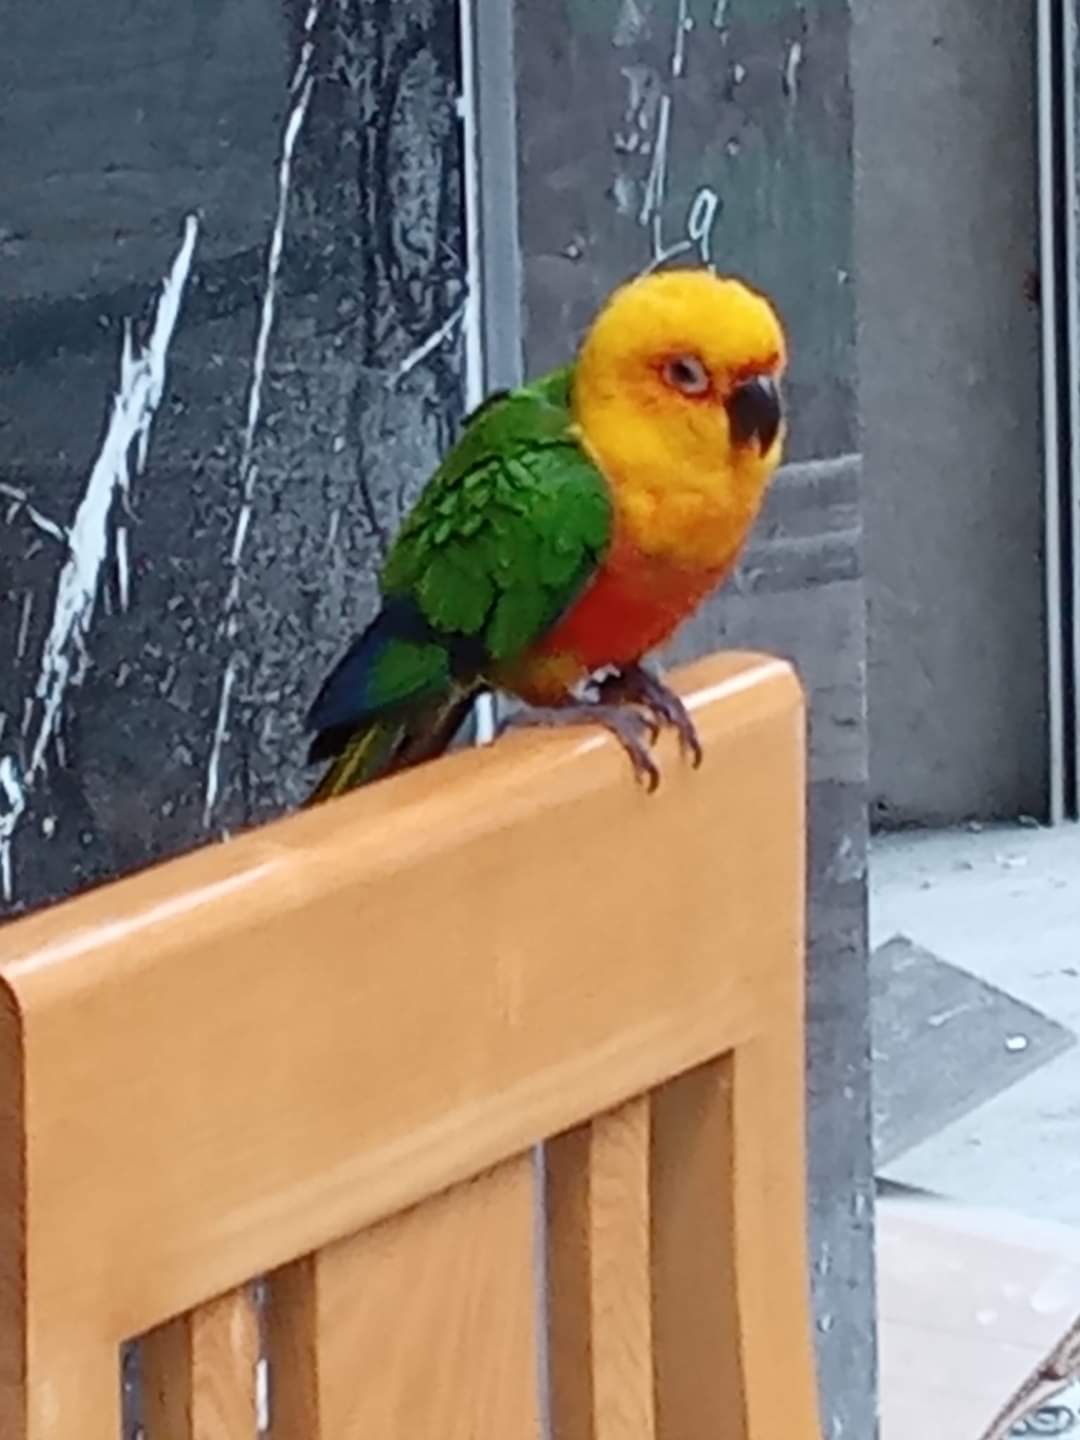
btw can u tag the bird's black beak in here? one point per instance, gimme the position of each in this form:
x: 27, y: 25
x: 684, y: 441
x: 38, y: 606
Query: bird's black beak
x: 755, y: 411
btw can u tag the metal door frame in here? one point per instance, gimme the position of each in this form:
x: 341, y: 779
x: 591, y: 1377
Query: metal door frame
x: 1059, y: 276
x: 493, y: 309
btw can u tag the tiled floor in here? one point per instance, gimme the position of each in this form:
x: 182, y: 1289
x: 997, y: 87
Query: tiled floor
x: 1003, y: 903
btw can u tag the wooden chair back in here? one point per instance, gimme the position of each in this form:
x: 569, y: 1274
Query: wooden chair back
x: 325, y: 1054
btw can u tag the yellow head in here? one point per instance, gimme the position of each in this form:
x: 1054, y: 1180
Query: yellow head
x: 676, y: 393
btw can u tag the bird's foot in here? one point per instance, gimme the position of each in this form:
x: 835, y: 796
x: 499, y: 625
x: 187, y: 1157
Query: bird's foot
x: 635, y: 685
x: 634, y: 729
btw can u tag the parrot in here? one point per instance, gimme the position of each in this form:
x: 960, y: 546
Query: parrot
x: 576, y: 522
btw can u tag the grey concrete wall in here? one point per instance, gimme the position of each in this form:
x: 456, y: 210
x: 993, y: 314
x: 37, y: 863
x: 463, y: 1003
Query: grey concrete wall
x: 640, y: 120
x: 949, y: 372
x: 799, y: 593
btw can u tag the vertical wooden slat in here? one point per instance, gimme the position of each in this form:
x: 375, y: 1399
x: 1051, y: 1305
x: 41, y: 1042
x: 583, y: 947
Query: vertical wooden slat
x: 599, y: 1306
x: 699, y: 1378
x: 291, y: 1352
x: 14, y: 1401
x: 423, y: 1325
x: 199, y: 1372
x: 773, y: 1266
x: 732, y: 1343
x: 73, y: 1389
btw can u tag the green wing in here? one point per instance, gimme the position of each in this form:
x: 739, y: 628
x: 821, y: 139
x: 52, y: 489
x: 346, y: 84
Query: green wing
x: 506, y: 534
x: 509, y: 529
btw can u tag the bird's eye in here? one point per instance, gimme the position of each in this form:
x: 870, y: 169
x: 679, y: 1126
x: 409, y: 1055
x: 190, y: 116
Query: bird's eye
x: 687, y: 374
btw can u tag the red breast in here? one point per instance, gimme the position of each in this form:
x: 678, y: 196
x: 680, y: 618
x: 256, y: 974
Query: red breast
x: 634, y: 604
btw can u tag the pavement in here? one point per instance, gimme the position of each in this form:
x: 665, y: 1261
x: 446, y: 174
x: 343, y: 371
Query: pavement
x: 1002, y: 902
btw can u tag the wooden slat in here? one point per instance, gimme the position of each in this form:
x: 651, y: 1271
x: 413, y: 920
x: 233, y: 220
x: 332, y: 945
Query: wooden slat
x: 292, y: 1336
x: 423, y: 1326
x: 14, y: 1319
x: 57, y: 1378
x: 773, y: 1268
x: 699, y: 1373
x: 444, y: 957
x: 199, y: 1373
x: 733, y: 1348
x: 599, y: 1304
x: 75, y: 1392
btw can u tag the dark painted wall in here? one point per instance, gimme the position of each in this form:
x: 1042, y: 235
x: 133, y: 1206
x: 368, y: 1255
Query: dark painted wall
x: 721, y: 129
x: 162, y: 624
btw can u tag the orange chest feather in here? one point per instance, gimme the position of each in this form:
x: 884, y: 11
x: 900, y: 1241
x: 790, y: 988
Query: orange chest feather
x: 673, y: 544
x: 634, y: 604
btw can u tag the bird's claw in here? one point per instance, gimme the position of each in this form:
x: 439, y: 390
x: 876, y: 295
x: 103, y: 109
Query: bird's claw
x: 634, y: 729
x: 636, y: 685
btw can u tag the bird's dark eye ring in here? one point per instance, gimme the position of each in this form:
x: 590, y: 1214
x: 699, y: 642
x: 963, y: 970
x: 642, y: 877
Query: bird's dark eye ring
x: 687, y: 374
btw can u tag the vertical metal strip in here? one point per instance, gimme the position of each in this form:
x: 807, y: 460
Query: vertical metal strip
x: 493, y: 320
x: 475, y: 383
x: 497, y: 164
x: 489, y: 120
x: 1068, y: 500
x: 1047, y: 151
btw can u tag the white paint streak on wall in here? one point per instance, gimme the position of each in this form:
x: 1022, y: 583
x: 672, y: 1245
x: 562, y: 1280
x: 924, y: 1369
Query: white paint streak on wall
x: 248, y: 469
x: 720, y: 13
x: 300, y: 87
x: 428, y: 344
x: 704, y: 209
x: 213, y: 768
x: 683, y: 25
x: 624, y: 192
x: 123, y: 570
x: 20, y: 502
x: 12, y: 805
x: 240, y: 536
x: 703, y: 212
x: 24, y: 624
x: 792, y: 64
x: 64, y: 653
x: 630, y: 25
x: 656, y: 184
x: 142, y: 382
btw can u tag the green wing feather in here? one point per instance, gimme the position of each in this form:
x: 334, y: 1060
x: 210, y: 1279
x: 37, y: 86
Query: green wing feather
x: 509, y: 529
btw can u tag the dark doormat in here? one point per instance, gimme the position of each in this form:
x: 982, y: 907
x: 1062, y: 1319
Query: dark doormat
x: 944, y: 1042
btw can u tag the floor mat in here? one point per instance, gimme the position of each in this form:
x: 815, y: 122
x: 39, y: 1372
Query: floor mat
x: 944, y: 1042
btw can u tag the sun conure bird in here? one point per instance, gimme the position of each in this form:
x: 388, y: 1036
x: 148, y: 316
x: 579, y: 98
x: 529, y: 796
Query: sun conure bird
x: 572, y: 527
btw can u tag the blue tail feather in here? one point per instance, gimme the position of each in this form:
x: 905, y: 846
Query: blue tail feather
x: 349, y: 696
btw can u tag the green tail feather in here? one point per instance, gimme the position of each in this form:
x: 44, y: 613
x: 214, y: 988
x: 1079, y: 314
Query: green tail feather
x: 392, y: 744
x: 367, y: 755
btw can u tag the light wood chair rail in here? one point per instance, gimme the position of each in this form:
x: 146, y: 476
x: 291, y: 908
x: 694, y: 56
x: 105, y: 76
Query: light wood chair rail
x: 325, y: 1052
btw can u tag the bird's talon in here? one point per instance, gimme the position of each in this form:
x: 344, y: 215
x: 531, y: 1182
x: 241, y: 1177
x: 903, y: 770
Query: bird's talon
x: 629, y: 736
x: 690, y: 746
x: 634, y: 729
x: 652, y: 725
x: 637, y: 686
